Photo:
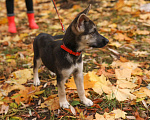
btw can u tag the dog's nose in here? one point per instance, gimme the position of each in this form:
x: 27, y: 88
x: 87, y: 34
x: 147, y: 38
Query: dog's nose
x: 106, y: 41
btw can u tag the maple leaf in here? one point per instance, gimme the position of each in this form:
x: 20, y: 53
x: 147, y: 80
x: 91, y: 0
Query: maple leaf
x: 51, y: 104
x: 102, y: 85
x: 142, y: 32
x: 115, y: 114
x: 123, y: 74
x: 121, y: 94
x: 87, y: 83
x: 21, y: 76
x: 119, y: 113
x: 116, y: 44
x: 119, y: 4
x: 125, y: 84
x: 99, y: 117
x: 143, y: 92
x: 10, y: 88
x: 26, y: 95
x: 121, y: 37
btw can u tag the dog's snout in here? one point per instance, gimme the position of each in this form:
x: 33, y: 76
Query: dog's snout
x: 106, y: 41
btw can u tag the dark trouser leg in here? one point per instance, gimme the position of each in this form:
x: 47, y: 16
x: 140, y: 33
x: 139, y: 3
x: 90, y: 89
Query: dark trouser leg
x: 10, y: 7
x: 29, y: 5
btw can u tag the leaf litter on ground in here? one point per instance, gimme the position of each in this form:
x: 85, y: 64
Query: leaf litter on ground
x: 122, y: 72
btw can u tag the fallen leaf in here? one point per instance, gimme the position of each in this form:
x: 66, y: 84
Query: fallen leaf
x: 123, y: 59
x: 116, y: 44
x: 121, y: 37
x: 123, y: 74
x: 99, y: 117
x: 119, y: 114
x: 102, y: 85
x: 143, y: 92
x: 119, y: 4
x: 142, y: 32
x: 21, y: 76
x: 87, y: 83
x: 137, y: 71
x: 51, y: 104
x: 121, y: 94
x: 125, y: 84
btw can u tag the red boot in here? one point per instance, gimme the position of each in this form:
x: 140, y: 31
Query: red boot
x: 11, y: 24
x: 31, y: 20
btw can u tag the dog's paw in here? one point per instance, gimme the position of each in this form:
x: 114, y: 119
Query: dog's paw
x: 52, y: 73
x: 36, y: 82
x: 87, y: 102
x: 64, y: 104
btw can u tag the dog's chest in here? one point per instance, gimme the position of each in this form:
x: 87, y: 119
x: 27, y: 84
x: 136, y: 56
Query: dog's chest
x: 74, y: 68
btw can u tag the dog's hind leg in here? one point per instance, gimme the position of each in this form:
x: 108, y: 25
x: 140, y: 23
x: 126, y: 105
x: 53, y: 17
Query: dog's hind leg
x: 37, y: 64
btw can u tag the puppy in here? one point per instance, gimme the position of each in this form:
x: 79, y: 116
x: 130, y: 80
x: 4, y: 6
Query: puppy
x: 64, y: 57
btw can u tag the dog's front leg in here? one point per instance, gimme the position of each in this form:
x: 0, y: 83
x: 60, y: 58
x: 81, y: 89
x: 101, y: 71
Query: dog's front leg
x: 61, y: 92
x: 78, y: 77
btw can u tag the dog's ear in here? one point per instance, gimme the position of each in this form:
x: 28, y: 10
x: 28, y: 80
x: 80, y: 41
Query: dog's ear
x: 86, y: 10
x: 80, y: 23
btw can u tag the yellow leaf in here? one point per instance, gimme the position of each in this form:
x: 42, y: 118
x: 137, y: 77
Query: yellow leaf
x: 39, y: 92
x: 3, y: 20
x: 119, y: 114
x: 99, y: 117
x: 142, y: 32
x: 137, y: 71
x: 116, y: 44
x: 87, y: 83
x: 123, y: 74
x: 23, y: 35
x: 125, y: 84
x: 123, y: 65
x: 143, y: 92
x: 121, y: 94
x: 21, y: 76
x: 16, y: 38
x: 101, y: 85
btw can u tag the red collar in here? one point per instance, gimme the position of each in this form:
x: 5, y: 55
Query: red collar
x: 70, y: 51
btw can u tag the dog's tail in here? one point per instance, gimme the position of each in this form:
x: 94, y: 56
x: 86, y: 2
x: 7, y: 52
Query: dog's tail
x: 58, y: 37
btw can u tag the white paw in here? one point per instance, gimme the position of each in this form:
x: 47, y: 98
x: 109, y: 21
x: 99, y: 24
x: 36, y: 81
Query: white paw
x: 64, y: 104
x: 87, y: 102
x: 52, y: 73
x: 36, y: 82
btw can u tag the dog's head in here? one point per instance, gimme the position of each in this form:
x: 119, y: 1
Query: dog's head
x: 87, y: 32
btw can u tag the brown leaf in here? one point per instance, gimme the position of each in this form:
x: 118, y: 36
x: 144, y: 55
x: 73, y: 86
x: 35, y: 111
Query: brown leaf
x: 123, y: 59
x: 138, y: 116
x: 51, y: 104
x: 119, y: 4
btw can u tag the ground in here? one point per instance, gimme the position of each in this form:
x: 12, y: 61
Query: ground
x: 117, y: 77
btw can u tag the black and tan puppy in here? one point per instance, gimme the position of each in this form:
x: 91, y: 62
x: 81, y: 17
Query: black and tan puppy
x: 64, y: 57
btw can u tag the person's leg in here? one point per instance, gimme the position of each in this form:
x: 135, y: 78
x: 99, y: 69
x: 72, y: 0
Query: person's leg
x: 10, y: 16
x: 30, y: 14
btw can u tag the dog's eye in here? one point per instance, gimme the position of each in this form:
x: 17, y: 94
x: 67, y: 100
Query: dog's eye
x: 93, y: 32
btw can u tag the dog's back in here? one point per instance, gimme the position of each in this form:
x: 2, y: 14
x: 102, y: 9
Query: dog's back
x: 43, y: 46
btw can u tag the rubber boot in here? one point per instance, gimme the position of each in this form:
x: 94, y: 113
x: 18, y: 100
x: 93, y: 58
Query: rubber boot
x: 11, y: 24
x: 31, y: 20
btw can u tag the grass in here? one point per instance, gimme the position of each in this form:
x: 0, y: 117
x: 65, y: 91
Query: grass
x: 115, y: 17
